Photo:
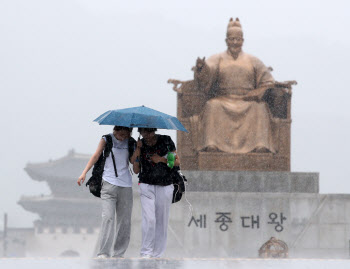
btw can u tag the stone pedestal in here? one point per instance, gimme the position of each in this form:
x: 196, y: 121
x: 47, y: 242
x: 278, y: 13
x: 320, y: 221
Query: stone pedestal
x: 249, y: 181
x: 237, y: 224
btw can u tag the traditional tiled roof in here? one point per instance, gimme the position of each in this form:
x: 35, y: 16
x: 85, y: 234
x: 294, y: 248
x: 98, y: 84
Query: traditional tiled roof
x: 62, y: 210
x: 67, y: 167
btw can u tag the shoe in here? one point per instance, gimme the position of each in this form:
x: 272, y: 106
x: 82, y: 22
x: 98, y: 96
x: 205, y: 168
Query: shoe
x: 145, y: 256
x: 102, y: 256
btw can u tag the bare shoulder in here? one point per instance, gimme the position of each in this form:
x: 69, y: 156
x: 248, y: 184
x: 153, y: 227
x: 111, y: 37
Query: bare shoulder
x: 101, y: 144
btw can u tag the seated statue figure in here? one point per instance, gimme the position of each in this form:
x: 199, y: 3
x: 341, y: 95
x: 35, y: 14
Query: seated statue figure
x: 235, y: 118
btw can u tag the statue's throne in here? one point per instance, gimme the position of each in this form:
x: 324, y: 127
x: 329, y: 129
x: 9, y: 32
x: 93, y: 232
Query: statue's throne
x: 191, y: 100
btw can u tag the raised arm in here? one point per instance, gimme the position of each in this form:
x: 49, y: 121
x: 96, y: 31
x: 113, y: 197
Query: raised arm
x: 136, y: 152
x: 92, y: 161
x: 206, y: 72
x: 135, y: 158
x: 202, y: 74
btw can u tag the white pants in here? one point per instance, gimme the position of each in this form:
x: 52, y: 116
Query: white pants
x: 155, y: 203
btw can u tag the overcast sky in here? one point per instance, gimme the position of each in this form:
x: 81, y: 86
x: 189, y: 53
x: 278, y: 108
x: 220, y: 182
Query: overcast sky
x: 62, y: 63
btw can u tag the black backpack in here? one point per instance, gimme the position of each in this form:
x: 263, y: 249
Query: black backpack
x: 95, y: 181
x: 179, y: 183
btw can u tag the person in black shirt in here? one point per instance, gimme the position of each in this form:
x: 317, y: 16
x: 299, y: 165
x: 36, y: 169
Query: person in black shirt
x: 156, y: 189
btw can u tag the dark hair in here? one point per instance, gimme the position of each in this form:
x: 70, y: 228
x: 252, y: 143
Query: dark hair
x: 120, y: 128
x: 150, y: 130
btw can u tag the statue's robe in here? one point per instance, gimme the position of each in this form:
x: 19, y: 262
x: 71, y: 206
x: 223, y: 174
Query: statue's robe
x: 229, y: 120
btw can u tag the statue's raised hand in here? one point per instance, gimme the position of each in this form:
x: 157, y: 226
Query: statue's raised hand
x: 200, y: 63
x: 201, y: 74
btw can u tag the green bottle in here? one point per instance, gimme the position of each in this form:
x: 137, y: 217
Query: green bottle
x: 171, y: 159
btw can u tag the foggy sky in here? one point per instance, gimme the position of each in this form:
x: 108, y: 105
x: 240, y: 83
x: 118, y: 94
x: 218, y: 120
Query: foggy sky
x: 63, y: 63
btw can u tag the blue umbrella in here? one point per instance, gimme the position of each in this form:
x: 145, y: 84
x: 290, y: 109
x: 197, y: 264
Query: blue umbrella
x: 140, y: 117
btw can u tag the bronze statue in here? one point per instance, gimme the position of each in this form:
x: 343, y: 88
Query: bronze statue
x: 240, y: 102
x: 235, y: 119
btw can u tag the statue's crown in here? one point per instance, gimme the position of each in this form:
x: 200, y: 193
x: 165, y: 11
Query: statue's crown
x: 233, y: 23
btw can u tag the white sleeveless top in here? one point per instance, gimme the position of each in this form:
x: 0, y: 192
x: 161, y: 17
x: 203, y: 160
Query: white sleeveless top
x: 121, y: 156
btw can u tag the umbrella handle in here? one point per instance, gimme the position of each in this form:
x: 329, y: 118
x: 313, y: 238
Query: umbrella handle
x: 138, y: 138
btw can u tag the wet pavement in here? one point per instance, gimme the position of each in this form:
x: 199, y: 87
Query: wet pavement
x: 137, y: 263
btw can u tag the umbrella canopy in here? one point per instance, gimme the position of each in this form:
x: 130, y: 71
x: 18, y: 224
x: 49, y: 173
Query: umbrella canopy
x: 140, y: 117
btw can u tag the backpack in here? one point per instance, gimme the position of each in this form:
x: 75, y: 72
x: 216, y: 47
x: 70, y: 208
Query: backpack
x: 95, y: 181
x: 178, y: 179
x: 179, y: 183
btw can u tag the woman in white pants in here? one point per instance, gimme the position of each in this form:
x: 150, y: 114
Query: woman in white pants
x: 156, y: 189
x: 116, y: 193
